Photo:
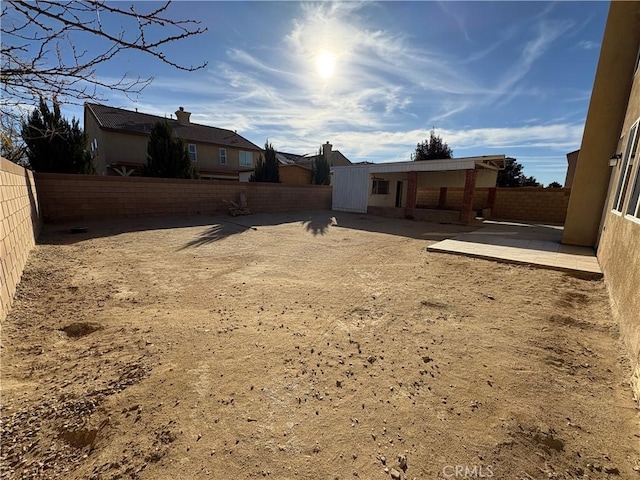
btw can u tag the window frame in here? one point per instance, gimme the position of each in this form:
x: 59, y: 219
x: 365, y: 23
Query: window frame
x: 193, y: 155
x: 223, y: 155
x: 376, y: 186
x: 240, y: 155
x: 632, y: 211
x: 626, y: 169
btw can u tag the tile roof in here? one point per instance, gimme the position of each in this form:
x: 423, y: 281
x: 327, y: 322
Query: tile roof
x: 112, y: 118
x: 288, y: 158
x: 337, y: 159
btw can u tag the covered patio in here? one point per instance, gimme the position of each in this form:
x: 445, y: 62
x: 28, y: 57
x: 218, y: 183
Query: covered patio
x: 432, y: 190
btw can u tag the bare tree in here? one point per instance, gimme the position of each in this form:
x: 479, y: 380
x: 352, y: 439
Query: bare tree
x: 43, y: 53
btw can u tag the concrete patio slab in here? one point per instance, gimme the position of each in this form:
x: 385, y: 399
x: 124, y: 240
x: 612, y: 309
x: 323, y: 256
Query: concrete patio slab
x: 522, y: 243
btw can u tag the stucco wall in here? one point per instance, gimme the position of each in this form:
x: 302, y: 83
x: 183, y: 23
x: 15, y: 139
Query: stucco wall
x: 294, y: 175
x: 609, y: 102
x: 619, y: 257
x: 619, y: 248
x: 77, y: 197
x: 572, y: 160
x: 132, y: 148
x: 20, y: 225
x: 389, y: 200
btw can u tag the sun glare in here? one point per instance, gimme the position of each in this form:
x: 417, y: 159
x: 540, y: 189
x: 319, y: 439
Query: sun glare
x: 325, y: 64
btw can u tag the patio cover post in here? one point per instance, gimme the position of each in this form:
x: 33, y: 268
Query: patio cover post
x: 412, y: 194
x: 467, y: 198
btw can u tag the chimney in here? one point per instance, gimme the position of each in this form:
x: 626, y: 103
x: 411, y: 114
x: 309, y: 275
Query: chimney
x: 326, y: 152
x: 182, y: 116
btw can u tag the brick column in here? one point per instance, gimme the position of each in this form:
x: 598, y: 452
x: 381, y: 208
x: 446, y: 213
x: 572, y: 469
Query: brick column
x: 467, y: 213
x: 442, y: 200
x: 412, y: 193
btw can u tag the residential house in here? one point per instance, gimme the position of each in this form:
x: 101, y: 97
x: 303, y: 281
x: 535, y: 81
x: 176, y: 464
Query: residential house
x: 604, y: 207
x: 118, y: 139
x: 296, y: 169
x: 572, y: 160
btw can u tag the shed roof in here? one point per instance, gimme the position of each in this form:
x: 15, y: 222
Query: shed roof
x: 492, y: 162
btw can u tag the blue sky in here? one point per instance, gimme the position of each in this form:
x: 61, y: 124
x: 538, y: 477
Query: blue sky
x: 509, y: 78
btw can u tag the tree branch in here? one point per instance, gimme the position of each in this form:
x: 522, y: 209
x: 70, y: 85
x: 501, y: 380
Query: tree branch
x: 41, y: 58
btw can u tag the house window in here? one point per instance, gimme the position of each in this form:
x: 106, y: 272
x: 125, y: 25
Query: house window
x: 193, y: 152
x: 634, y: 204
x: 380, y: 187
x: 627, y: 167
x: 633, y: 208
x: 223, y: 156
x: 246, y: 159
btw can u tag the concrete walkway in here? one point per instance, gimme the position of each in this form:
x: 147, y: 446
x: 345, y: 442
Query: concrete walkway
x: 522, y: 243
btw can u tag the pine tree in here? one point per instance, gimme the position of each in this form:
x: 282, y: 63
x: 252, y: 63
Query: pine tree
x: 167, y: 156
x: 320, y: 170
x: 512, y: 176
x: 53, y: 144
x: 432, y: 149
x: 267, y: 167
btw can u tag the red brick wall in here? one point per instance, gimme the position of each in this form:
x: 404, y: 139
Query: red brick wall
x: 532, y: 204
x: 77, y: 197
x: 19, y: 227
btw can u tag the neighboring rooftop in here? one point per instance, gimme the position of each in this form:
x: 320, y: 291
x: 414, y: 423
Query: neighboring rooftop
x: 336, y: 158
x: 119, y: 119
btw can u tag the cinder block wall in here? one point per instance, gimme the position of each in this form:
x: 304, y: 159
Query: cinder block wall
x: 532, y: 204
x: 429, y: 197
x: 20, y: 224
x: 87, y: 197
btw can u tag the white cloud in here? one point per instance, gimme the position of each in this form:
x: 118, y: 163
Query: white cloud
x: 588, y: 45
x: 547, y: 33
x: 380, y: 102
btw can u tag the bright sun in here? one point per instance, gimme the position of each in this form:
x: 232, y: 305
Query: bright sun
x: 325, y: 64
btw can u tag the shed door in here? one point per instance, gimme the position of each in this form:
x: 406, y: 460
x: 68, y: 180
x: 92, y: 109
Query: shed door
x: 350, y: 190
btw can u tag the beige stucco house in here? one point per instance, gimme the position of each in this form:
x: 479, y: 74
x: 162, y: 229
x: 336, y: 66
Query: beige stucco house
x: 118, y: 140
x: 296, y: 169
x: 604, y: 207
x: 572, y: 160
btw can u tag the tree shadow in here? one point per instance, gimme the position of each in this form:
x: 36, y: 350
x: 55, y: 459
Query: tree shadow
x: 318, y: 225
x: 217, y: 232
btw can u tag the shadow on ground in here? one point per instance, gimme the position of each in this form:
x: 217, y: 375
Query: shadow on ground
x: 524, y: 235
x: 318, y: 222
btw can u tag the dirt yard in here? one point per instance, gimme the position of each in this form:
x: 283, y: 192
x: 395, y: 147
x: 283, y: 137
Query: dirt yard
x: 291, y: 347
